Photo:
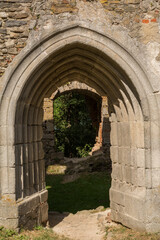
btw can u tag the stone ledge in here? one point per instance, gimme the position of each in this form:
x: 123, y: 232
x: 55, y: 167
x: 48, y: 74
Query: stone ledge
x: 29, y: 212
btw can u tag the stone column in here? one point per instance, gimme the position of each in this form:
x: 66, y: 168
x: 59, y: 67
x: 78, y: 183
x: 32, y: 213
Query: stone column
x: 48, y: 130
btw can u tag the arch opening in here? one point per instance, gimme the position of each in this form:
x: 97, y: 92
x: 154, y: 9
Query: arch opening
x: 73, y: 117
x: 101, y: 63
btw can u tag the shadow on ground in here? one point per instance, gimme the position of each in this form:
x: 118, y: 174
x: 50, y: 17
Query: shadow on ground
x: 85, y: 192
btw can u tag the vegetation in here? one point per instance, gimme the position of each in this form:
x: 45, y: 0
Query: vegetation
x: 87, y: 192
x: 38, y: 233
x: 74, y: 133
x: 123, y: 233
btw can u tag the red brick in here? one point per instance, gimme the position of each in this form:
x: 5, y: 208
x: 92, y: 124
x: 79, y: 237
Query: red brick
x: 145, y: 21
x: 154, y: 20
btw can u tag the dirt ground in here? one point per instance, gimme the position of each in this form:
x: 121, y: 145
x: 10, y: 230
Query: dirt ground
x: 84, y: 225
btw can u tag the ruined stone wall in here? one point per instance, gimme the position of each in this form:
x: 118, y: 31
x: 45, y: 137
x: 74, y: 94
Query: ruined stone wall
x: 23, y: 21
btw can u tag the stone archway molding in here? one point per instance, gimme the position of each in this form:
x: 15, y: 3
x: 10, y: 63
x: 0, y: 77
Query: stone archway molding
x: 109, y: 68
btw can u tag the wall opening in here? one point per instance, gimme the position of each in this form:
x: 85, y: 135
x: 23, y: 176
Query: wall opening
x: 82, y: 180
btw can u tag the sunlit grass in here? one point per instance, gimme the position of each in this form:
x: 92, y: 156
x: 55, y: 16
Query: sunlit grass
x: 123, y: 233
x: 39, y: 233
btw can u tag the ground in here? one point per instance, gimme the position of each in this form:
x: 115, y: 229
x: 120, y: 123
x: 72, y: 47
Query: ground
x: 73, y: 223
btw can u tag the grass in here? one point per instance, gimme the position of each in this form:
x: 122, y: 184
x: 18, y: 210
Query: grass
x: 123, y: 233
x: 39, y: 233
x: 87, y: 192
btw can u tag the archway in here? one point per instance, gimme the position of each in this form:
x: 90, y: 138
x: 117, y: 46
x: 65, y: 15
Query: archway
x: 102, y: 63
x: 95, y: 105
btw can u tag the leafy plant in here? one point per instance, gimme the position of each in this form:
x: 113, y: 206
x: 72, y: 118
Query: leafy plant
x: 74, y: 133
x: 84, y: 151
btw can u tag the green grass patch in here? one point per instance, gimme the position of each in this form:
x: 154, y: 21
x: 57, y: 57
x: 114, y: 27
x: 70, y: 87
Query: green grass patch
x: 38, y: 233
x: 87, y: 192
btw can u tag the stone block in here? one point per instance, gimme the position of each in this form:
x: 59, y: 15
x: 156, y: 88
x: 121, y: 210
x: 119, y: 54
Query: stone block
x: 50, y: 126
x: 3, y: 140
x: 117, y: 197
x: 40, y: 116
x: 117, y: 207
x: 133, y: 157
x: 140, y: 158
x: 148, y: 177
x: 39, y: 133
x: 7, y: 180
x: 120, y: 155
x: 119, y: 172
x: 30, y: 152
x: 19, y: 154
x: 156, y: 178
x: 3, y: 31
x: 35, y: 151
x: 29, y: 133
x: 114, y: 154
x: 18, y: 15
x: 44, y: 196
x: 3, y: 156
x: 10, y: 223
x: 133, y: 171
x: 26, y: 176
x: 10, y: 43
x: 126, y: 156
x: 133, y: 133
x: 8, y: 209
x: 36, y: 174
x: 18, y: 134
x: 3, y: 14
x: 141, y: 177
x: 25, y: 133
x: 31, y: 174
x: 127, y: 174
x: 140, y: 134
x: 25, y: 153
x: 40, y: 150
x: 148, y: 159
x: 11, y: 181
x: 114, y: 135
x: 15, y: 23
x: 135, y: 207
x: 115, y: 171
x: 44, y: 212
x: 19, y: 181
x: 125, y: 133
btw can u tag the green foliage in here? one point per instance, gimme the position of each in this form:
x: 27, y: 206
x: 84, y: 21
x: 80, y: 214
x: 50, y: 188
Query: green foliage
x: 11, y: 234
x: 83, y: 151
x: 38, y: 228
x: 74, y: 134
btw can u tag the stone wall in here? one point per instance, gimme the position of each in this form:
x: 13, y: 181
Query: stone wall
x: 23, y: 19
x: 15, y: 19
x: 112, y: 46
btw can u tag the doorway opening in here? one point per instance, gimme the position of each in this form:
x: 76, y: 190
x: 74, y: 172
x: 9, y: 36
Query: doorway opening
x: 76, y: 134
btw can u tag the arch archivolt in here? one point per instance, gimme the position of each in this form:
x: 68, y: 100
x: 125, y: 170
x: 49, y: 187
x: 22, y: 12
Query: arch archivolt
x: 103, y: 64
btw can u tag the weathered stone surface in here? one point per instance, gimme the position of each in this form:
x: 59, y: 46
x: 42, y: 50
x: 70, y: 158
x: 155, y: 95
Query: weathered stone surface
x: 113, y: 47
x: 18, y: 15
x: 15, y: 23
